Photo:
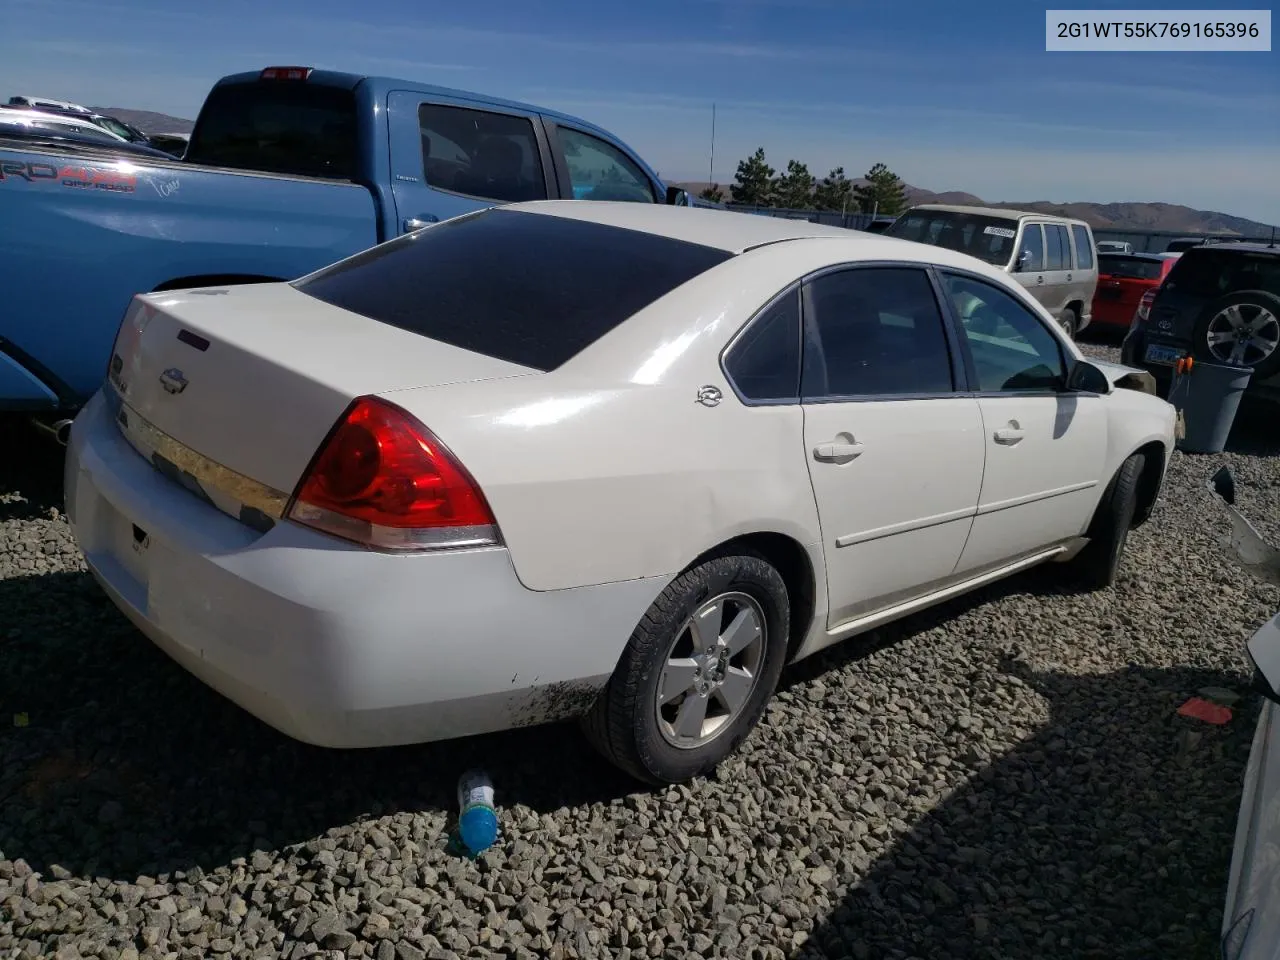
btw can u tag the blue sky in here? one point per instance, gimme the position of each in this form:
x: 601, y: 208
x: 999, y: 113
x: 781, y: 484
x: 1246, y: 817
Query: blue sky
x: 951, y: 95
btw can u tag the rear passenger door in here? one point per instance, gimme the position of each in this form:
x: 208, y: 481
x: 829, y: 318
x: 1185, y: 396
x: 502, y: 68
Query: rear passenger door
x: 451, y: 156
x: 895, y: 450
x: 590, y: 167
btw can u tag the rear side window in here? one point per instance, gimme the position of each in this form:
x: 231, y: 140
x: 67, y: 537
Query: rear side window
x: 481, y: 154
x: 1129, y: 267
x: 1210, y: 273
x: 278, y: 127
x: 1084, y: 247
x: 527, y: 288
x: 765, y: 362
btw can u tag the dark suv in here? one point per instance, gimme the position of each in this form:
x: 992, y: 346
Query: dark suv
x: 1219, y: 304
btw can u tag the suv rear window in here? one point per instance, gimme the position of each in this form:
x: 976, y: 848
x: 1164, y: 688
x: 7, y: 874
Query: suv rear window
x: 987, y: 238
x: 1129, y: 267
x: 527, y: 288
x: 1212, y: 272
x: 278, y: 127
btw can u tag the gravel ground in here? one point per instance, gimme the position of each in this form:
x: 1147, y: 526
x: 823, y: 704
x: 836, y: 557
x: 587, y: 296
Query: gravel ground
x: 1001, y: 777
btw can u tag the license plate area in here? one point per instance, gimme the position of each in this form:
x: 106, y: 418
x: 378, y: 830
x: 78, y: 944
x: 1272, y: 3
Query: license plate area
x: 1163, y: 354
x: 131, y: 546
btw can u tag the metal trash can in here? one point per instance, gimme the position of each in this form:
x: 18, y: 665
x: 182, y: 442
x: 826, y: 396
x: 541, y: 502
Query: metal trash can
x: 1208, y: 396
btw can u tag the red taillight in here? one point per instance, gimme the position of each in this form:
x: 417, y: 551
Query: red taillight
x: 285, y: 73
x: 383, y: 479
x: 1144, y: 305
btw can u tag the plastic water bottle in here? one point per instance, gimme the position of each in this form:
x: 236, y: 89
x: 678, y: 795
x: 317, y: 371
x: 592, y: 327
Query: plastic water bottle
x: 477, y: 820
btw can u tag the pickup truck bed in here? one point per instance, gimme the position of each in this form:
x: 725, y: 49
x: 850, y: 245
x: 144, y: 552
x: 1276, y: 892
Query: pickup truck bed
x: 109, y: 228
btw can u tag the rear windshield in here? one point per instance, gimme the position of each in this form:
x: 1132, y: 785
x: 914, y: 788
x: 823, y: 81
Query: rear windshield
x: 1208, y: 272
x: 1129, y: 268
x: 278, y: 127
x: 527, y: 288
x: 987, y: 238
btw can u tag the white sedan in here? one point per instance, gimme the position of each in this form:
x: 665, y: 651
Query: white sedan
x: 571, y: 459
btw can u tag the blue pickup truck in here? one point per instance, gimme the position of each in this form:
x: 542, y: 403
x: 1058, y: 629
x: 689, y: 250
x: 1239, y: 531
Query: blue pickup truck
x: 288, y: 169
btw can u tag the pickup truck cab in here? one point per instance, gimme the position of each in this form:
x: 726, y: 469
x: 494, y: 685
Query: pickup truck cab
x: 288, y: 169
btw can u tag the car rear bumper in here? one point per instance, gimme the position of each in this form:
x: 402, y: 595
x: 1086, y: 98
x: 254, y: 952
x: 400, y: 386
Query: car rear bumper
x: 1133, y: 352
x: 328, y: 642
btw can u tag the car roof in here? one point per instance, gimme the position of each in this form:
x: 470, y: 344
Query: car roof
x: 1002, y: 212
x: 723, y: 229
x: 349, y: 81
x: 1244, y: 247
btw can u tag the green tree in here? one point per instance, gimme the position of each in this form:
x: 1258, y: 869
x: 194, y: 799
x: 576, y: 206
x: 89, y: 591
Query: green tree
x: 794, y: 189
x: 713, y: 193
x: 835, y: 192
x: 883, y: 192
x: 753, y: 180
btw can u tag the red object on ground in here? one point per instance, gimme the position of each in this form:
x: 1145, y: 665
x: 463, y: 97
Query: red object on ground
x: 1200, y: 709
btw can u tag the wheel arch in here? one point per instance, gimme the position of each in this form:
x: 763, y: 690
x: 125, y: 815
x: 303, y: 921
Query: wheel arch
x: 793, y: 563
x: 1155, y: 456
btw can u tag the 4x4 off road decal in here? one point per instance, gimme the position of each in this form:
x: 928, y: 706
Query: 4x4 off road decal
x: 81, y: 177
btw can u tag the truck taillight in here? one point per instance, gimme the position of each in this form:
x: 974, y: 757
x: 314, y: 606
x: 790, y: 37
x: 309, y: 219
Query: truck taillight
x: 382, y: 479
x: 285, y: 73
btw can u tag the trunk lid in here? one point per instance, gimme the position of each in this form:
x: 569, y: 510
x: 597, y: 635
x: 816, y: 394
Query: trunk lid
x: 250, y: 379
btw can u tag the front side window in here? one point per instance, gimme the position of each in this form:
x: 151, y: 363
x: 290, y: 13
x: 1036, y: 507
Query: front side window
x: 1011, y: 349
x: 1084, y: 247
x: 874, y: 331
x: 1031, y: 250
x: 481, y: 154
x: 765, y: 362
x: 600, y: 171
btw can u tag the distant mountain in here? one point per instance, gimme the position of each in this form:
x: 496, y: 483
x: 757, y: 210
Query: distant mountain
x: 1170, y: 217
x: 148, y: 122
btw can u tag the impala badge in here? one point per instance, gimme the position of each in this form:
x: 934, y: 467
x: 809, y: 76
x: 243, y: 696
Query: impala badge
x: 173, y: 381
x: 708, y: 396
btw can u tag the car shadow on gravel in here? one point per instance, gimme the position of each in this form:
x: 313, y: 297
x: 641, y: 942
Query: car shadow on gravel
x: 127, y: 765
x: 32, y: 467
x: 1107, y: 834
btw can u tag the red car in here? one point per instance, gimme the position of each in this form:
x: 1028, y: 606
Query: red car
x: 1123, y: 278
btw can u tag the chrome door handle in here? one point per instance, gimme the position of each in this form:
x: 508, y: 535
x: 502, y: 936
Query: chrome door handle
x: 1009, y: 435
x: 1068, y: 277
x: 837, y: 451
x: 417, y: 223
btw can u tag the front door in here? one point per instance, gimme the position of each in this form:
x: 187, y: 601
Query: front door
x: 1029, y: 261
x: 452, y: 156
x: 895, y: 454
x: 1045, y: 447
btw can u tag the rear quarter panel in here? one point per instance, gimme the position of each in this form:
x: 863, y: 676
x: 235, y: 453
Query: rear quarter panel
x: 79, y: 237
x: 609, y: 469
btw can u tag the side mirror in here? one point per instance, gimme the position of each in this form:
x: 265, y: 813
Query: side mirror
x: 1020, y: 261
x: 678, y: 197
x: 1086, y: 378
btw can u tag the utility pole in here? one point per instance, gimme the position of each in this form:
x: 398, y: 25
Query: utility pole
x: 711, y: 171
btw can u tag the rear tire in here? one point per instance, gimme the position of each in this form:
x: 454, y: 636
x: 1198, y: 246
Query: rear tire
x: 1098, y: 564
x: 695, y: 677
x: 1070, y: 322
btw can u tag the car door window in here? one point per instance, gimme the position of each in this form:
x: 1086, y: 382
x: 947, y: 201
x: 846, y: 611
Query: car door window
x: 1012, y: 349
x: 1084, y: 247
x: 874, y: 331
x: 600, y: 171
x: 1057, y: 247
x: 764, y: 363
x: 1031, y: 249
x: 481, y: 154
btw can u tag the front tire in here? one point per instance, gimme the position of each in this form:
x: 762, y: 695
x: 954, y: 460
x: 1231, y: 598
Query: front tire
x: 1069, y: 322
x: 1098, y: 564
x: 697, y: 672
